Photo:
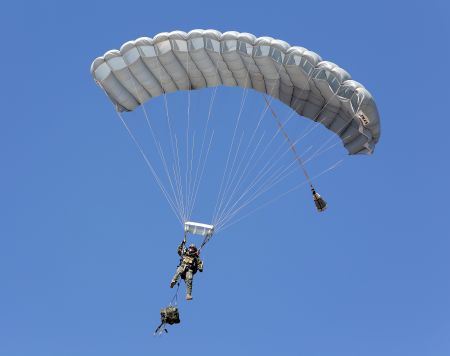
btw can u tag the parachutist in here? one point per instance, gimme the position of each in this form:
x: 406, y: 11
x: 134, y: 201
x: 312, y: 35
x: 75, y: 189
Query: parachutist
x: 190, y: 263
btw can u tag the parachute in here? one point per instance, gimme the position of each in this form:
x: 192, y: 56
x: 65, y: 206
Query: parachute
x: 170, y: 62
x: 147, y: 68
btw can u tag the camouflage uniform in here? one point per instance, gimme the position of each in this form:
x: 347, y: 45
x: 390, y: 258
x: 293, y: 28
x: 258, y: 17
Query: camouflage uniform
x: 190, y: 263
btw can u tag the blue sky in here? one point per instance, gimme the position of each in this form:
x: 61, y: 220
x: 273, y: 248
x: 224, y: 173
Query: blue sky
x: 87, y: 243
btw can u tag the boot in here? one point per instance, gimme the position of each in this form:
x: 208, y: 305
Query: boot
x: 188, y: 296
x: 172, y: 283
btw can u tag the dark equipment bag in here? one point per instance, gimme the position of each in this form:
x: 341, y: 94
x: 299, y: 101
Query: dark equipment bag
x: 170, y: 315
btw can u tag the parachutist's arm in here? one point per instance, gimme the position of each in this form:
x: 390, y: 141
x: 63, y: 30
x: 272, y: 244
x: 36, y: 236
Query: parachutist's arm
x: 181, y: 247
x: 199, y: 264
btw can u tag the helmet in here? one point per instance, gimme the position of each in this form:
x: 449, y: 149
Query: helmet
x: 192, y: 248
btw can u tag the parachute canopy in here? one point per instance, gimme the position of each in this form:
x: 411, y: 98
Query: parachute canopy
x: 316, y: 89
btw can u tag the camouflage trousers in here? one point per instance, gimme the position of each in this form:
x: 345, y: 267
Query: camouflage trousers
x: 187, y: 274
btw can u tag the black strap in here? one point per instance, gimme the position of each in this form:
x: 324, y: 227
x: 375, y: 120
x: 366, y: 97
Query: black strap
x: 174, y: 300
x: 205, y: 241
x: 159, y: 328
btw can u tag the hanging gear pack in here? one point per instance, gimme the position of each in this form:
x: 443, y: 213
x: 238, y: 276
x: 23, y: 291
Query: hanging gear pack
x: 169, y: 315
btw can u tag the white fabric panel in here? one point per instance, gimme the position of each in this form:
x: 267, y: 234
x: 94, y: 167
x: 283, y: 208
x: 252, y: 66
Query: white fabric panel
x: 172, y: 66
x: 159, y: 72
x: 339, y: 124
x: 123, y: 74
x: 299, y: 79
x: 313, y: 106
x: 237, y: 68
x: 225, y: 74
x: 326, y: 116
x: 286, y: 86
x: 349, y: 134
x: 102, y: 72
x: 257, y: 79
x: 356, y: 145
x: 196, y: 79
x: 118, y: 94
x: 146, y: 78
x: 132, y: 57
x: 206, y: 67
x: 270, y: 75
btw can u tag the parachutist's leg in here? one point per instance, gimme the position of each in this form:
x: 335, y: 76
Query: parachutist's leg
x: 180, y: 270
x: 189, y: 278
